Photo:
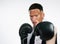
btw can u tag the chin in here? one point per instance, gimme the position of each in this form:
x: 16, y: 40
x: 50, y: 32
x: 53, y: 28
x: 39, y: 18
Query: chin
x: 35, y: 24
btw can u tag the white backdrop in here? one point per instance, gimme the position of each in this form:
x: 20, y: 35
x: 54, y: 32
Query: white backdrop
x: 13, y: 13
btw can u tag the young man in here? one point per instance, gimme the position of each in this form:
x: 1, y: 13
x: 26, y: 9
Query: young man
x: 37, y: 16
x: 42, y: 32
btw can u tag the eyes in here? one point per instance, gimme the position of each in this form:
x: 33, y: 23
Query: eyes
x: 34, y: 16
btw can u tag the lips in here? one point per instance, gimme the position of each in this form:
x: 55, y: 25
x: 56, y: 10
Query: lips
x: 34, y: 23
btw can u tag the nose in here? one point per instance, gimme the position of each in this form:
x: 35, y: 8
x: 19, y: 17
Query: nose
x: 33, y: 19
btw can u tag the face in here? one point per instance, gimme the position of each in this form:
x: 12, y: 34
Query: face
x: 36, y: 16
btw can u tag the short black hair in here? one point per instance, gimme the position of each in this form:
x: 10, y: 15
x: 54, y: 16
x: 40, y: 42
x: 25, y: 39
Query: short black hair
x: 36, y: 6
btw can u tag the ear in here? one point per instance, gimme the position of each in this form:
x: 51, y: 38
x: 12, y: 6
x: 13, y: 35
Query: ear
x: 43, y: 15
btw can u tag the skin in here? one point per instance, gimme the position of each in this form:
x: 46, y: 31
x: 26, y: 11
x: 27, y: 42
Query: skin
x: 36, y: 16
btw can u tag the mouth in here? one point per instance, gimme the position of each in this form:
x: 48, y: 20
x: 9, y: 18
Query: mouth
x: 34, y: 23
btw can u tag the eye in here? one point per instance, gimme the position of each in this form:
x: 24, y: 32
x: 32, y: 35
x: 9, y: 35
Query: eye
x: 31, y: 16
x: 36, y: 15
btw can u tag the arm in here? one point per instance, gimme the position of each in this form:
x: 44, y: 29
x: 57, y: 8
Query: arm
x: 54, y: 39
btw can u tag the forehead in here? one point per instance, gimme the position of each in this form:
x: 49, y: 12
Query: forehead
x: 35, y: 11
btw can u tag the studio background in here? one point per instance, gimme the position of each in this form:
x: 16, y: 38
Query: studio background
x: 13, y: 13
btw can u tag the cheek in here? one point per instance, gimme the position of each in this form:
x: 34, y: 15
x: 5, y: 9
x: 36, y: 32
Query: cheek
x: 39, y: 18
x: 30, y: 18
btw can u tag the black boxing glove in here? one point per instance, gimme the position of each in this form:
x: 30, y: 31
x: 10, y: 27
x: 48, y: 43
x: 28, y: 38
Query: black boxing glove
x: 23, y: 32
x: 45, y: 30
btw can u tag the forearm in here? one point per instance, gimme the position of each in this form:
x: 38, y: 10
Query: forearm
x: 53, y: 40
